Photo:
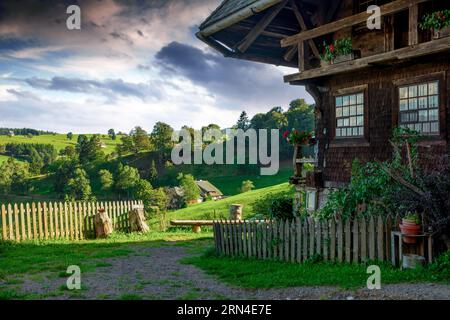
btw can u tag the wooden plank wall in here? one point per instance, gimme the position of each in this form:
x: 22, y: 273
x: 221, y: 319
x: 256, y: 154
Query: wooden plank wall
x: 71, y: 221
x: 351, y: 241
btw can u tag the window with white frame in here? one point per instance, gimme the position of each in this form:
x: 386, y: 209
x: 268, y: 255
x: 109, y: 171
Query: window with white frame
x: 350, y: 115
x: 419, y: 107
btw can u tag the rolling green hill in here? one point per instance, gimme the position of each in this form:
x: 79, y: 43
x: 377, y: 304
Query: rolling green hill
x: 60, y: 141
x: 206, y: 210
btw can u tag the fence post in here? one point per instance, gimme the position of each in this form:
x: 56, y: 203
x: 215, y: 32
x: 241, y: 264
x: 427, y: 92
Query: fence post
x: 33, y: 215
x: 332, y: 239
x: 340, y: 241
x: 10, y: 222
x: 281, y: 236
x: 371, y: 239
x: 4, y: 228
x: 264, y: 236
x: 312, y: 236
x: 388, y: 235
x: 356, y: 240
x: 380, y: 238
x: 16, y: 221
x: 363, y: 228
x: 22, y: 221
x: 305, y: 238
x: 298, y: 233
x: 348, y: 240
x: 318, y: 237
x: 326, y: 239
x: 293, y: 239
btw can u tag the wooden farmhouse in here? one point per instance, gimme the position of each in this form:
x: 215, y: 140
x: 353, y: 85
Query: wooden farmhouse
x: 397, y: 73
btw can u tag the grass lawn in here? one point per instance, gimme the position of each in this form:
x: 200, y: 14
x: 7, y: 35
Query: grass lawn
x: 3, y: 158
x: 230, y: 184
x: 59, y: 141
x: 258, y: 274
x: 206, y: 209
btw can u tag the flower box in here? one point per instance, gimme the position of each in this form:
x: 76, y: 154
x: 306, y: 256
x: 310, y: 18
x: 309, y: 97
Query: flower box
x: 441, y: 33
x: 341, y: 59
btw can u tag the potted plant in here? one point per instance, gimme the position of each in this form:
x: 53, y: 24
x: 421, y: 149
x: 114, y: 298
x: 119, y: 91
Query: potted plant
x: 410, y: 226
x: 298, y: 139
x: 437, y: 22
x: 339, y: 51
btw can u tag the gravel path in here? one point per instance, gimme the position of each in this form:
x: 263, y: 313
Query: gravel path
x: 155, y: 273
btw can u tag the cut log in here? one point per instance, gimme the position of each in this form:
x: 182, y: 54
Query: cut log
x: 137, y: 219
x: 236, y: 211
x: 103, y: 224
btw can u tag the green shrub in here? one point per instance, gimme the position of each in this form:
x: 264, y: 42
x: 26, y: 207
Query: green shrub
x: 275, y: 206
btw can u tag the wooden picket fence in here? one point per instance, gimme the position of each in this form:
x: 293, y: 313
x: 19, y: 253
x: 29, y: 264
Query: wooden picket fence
x: 72, y: 221
x: 339, y: 240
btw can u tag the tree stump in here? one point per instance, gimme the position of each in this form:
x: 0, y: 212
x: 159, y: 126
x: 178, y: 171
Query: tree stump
x: 236, y: 211
x: 137, y: 219
x: 103, y: 225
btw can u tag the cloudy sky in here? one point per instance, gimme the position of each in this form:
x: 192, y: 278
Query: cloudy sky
x: 132, y: 63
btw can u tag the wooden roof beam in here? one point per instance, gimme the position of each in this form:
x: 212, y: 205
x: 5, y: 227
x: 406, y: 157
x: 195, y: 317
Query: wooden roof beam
x: 301, y: 22
x: 260, y: 26
x: 386, y: 9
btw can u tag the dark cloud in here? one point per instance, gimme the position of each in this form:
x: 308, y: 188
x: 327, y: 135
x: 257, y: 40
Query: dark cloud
x: 240, y: 81
x: 110, y: 88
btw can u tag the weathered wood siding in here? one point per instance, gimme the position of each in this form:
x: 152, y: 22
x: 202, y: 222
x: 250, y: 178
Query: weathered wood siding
x: 381, y: 113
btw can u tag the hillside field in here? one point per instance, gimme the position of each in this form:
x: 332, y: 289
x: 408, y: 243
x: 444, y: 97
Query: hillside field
x: 59, y: 141
x: 220, y: 209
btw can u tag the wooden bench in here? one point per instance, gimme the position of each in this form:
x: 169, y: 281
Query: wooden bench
x: 196, y: 224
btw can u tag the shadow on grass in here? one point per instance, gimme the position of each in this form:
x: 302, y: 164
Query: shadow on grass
x: 32, y: 257
x: 264, y: 274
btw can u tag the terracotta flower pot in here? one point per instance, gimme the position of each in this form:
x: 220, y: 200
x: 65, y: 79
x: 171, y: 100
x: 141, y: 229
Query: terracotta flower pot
x: 409, y: 229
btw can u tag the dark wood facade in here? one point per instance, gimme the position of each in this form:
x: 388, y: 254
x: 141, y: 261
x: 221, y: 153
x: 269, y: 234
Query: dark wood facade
x: 380, y: 88
x: 290, y: 32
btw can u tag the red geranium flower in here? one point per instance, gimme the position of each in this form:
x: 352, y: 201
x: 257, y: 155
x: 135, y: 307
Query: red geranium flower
x: 332, y: 48
x: 285, y: 134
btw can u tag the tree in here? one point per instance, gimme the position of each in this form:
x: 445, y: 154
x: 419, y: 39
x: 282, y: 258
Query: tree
x: 81, y: 138
x: 112, y: 134
x: 141, y: 139
x: 68, y: 151
x: 69, y: 136
x: 161, y: 136
x: 153, y: 171
x: 64, y: 170
x: 190, y: 188
x: 36, y: 162
x: 106, y: 179
x: 126, y: 179
x: 247, y: 185
x: 243, y: 121
x: 90, y: 151
x: 127, y: 145
x: 14, y: 177
x: 78, y: 187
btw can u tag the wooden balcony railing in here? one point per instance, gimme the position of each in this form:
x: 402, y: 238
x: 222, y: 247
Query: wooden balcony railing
x: 300, y: 40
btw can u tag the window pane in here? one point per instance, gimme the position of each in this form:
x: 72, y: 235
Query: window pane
x: 346, y: 122
x: 353, y: 110
x: 433, y: 88
x: 338, y: 132
x: 360, y: 98
x: 403, y: 93
x: 353, y: 99
x: 434, y: 127
x: 345, y: 100
x: 360, y: 109
x: 403, y: 105
x: 426, y: 127
x: 433, y: 102
x: 360, y: 121
x: 353, y: 121
x: 345, y: 111
x: 418, y: 127
x: 433, y: 114
x: 412, y: 92
x: 361, y: 131
x: 423, y: 90
x: 340, y: 123
x: 423, y: 103
x: 339, y: 102
x: 339, y: 112
x: 423, y: 115
x: 412, y: 104
x: 355, y: 131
